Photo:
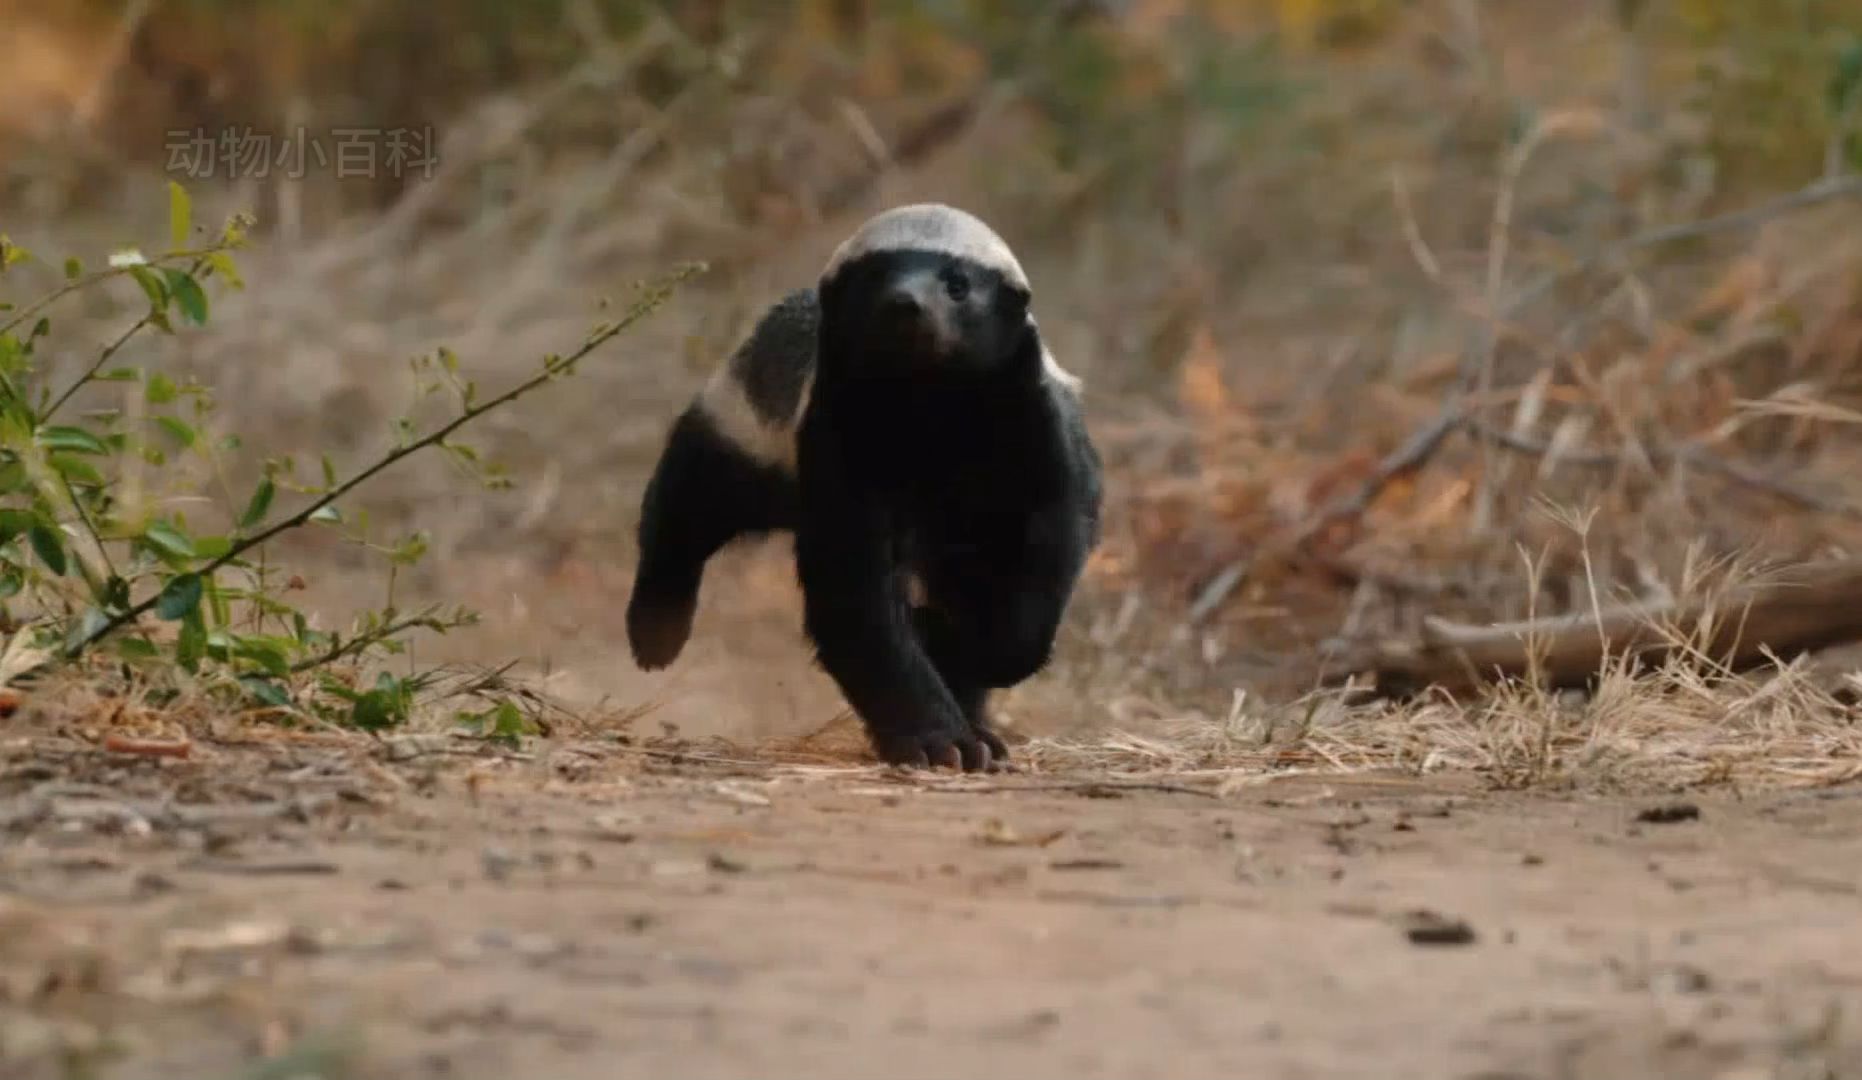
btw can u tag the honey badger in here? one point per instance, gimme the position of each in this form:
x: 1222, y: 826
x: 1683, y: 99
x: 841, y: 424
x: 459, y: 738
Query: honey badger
x: 904, y: 420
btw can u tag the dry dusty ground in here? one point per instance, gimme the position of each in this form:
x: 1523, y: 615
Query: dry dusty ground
x: 603, y: 909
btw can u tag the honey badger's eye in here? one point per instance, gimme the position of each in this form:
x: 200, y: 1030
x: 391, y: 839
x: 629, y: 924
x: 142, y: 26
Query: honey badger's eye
x: 956, y: 286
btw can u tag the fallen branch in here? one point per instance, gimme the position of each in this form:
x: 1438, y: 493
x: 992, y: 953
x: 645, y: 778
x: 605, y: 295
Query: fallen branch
x: 1807, y: 607
x: 1092, y: 789
x: 209, y: 865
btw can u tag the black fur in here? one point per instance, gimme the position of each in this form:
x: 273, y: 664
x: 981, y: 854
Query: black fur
x: 774, y: 363
x: 704, y: 493
x: 956, y: 458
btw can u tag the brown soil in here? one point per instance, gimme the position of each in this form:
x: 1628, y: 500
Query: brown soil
x: 598, y: 909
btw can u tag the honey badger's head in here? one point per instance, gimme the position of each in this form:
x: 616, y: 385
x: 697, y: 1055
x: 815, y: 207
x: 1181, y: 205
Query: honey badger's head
x: 925, y: 289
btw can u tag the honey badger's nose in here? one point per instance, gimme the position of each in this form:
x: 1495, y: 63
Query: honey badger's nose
x: 901, y: 303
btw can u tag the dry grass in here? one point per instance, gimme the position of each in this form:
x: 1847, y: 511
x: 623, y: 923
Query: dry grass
x: 1673, y: 728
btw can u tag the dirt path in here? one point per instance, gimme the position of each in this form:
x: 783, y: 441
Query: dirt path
x: 584, y: 914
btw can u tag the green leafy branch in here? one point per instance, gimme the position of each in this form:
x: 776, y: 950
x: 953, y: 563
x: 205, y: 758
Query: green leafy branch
x: 183, y: 593
x: 89, y: 563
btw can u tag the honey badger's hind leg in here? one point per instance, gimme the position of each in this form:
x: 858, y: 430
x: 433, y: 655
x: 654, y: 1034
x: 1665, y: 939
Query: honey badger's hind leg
x: 705, y: 492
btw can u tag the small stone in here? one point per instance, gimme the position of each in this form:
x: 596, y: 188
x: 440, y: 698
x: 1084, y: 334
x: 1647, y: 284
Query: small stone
x: 1424, y: 927
x: 1669, y: 814
x: 497, y: 863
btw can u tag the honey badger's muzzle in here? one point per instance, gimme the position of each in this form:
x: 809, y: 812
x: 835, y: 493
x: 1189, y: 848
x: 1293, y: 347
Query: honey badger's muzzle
x: 914, y: 312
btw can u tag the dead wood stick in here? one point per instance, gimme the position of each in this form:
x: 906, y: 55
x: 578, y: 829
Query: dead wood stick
x: 1801, y: 609
x: 284, y: 868
x: 1089, y: 788
x: 167, y: 748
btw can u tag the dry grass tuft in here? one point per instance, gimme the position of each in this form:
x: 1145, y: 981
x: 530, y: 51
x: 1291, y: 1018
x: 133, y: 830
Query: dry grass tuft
x: 1686, y: 723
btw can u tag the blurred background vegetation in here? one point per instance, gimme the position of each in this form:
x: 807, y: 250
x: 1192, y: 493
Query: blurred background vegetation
x: 1257, y: 226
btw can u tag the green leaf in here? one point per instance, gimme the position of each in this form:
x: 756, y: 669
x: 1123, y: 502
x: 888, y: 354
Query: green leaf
x: 503, y: 722
x: 152, y: 287
x: 135, y: 648
x: 12, y: 581
x: 383, y: 707
x: 218, y: 604
x: 170, y: 540
x: 219, y: 262
x: 161, y: 390
x: 212, y: 547
x: 409, y: 551
x: 76, y: 469
x: 74, y: 269
x: 180, y: 214
x: 49, y: 545
x: 192, y: 643
x: 266, y: 692
x: 180, y: 430
x: 15, y: 522
x: 11, y: 253
x: 180, y: 598
x: 265, y: 652
x: 121, y: 374
x: 74, y: 439
x: 260, y: 504
x: 189, y: 296
x: 329, y: 472
x: 1845, y: 77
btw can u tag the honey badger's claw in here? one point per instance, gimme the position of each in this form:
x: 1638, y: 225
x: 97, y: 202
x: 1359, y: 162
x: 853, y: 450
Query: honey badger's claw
x: 996, y: 757
x: 966, y: 751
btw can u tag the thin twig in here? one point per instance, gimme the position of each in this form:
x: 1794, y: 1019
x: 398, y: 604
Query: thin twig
x: 1692, y: 452
x: 1823, y: 191
x: 363, y: 642
x: 109, y: 352
x: 85, y: 281
x: 1499, y: 246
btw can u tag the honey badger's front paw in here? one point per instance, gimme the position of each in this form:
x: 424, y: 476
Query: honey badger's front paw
x: 998, y: 750
x: 961, y: 748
